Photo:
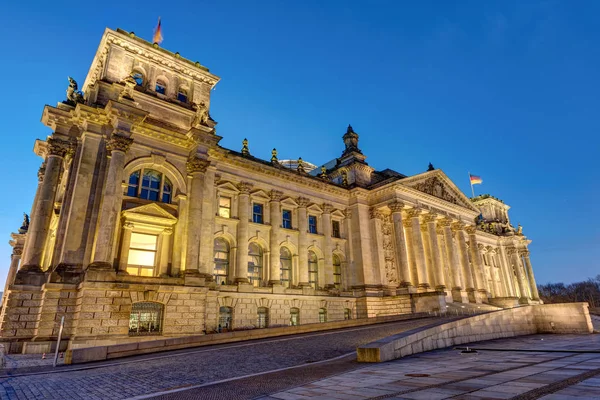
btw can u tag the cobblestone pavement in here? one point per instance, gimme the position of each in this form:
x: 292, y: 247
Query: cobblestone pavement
x: 161, y: 372
x: 518, y: 372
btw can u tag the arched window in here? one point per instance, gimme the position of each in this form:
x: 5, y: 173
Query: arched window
x: 294, y: 316
x: 347, y: 313
x: 255, y: 264
x: 139, y: 78
x: 263, y: 317
x: 182, y: 95
x: 161, y: 87
x: 337, y: 272
x: 313, y: 269
x: 154, y: 186
x: 285, y: 257
x: 322, y: 315
x: 225, y: 314
x: 145, y: 319
x: 221, y: 269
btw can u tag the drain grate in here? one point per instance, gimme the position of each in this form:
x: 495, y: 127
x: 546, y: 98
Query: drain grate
x: 417, y: 375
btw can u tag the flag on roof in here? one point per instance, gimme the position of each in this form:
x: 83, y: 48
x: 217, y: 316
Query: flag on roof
x: 475, y: 180
x: 157, y: 34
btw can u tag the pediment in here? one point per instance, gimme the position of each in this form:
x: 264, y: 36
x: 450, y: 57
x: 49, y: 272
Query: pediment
x: 338, y: 213
x: 290, y: 202
x: 315, y: 208
x: 260, y: 194
x: 150, y: 212
x: 228, y: 186
x: 437, y: 184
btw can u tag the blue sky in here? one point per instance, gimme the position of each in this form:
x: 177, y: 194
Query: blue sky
x: 507, y: 90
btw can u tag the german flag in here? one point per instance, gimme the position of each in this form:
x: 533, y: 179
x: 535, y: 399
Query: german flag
x: 475, y: 180
x: 157, y: 34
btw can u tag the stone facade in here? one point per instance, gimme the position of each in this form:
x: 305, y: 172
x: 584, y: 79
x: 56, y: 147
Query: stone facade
x: 142, y: 224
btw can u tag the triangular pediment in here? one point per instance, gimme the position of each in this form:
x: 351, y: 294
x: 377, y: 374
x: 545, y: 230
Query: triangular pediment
x: 315, y: 208
x: 437, y: 184
x: 260, y: 194
x: 151, y: 210
x: 227, y: 186
x: 288, y: 201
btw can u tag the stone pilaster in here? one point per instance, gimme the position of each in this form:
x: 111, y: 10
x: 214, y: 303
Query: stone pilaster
x: 112, y: 197
x: 303, y: 241
x: 15, y: 258
x: 125, y: 243
x: 532, y: 285
x: 376, y: 274
x: 179, y: 238
x: 164, y: 252
x: 418, y: 248
x: 208, y: 222
x: 410, y: 250
x: 351, y: 276
x: 274, y: 252
x: 428, y: 255
x: 400, y: 242
x: 476, y: 260
x: 508, y: 273
x: 241, y: 271
x: 327, y: 245
x: 196, y: 167
x: 438, y: 268
x: 458, y: 228
x: 495, y: 282
x: 458, y: 294
x: 516, y: 262
x: 44, y: 206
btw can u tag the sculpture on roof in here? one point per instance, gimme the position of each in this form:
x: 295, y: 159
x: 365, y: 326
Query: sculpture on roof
x: 25, y: 227
x: 202, y: 116
x: 130, y: 84
x: 430, y: 167
x: 74, y: 96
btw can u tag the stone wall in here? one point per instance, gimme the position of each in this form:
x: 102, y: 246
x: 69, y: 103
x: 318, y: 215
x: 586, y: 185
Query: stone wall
x: 527, y: 320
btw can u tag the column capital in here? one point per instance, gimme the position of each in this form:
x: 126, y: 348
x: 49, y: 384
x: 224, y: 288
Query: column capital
x: 480, y: 246
x: 128, y: 225
x: 195, y: 164
x: 167, y: 231
x: 445, y: 222
x: 457, y: 226
x: 245, y: 187
x: 58, y: 147
x: 327, y: 208
x: 524, y: 252
x: 511, y: 250
x: 471, y: 229
x: 347, y: 213
x: 302, y: 202
x: 424, y: 228
x: 41, y: 172
x: 276, y: 195
x: 17, y: 251
x: 375, y: 213
x: 413, y: 212
x: 396, y: 206
x: 118, y: 143
x: 431, y: 217
x: 407, y: 223
x: 439, y: 229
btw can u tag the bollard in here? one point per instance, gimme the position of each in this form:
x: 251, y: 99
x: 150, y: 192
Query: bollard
x: 43, y: 356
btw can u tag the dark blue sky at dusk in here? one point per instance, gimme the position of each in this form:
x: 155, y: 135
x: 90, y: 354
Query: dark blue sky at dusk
x: 507, y: 90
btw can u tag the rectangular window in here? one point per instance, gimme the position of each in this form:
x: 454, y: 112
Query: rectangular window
x: 287, y: 219
x: 142, y: 254
x: 335, y: 229
x: 225, y: 207
x: 257, y: 213
x: 312, y: 224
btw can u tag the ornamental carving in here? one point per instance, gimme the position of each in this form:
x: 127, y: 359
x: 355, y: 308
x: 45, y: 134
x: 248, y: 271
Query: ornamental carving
x: 511, y: 251
x: 17, y: 251
x: 167, y: 231
x: 302, y: 202
x: 407, y: 223
x: 524, y: 253
x: 327, y: 208
x: 471, y: 229
x: 347, y: 213
x: 58, y: 147
x: 457, y: 226
x: 391, y: 274
x: 396, y: 206
x: 374, y: 213
x: 439, y: 230
x: 195, y: 164
x: 128, y: 225
x: 276, y: 195
x: 119, y: 143
x: 245, y: 187
x: 445, y: 222
x: 435, y: 187
x: 431, y: 217
x: 480, y: 246
x: 413, y: 212
x: 41, y: 172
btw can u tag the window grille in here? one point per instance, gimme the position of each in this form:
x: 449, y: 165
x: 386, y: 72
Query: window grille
x: 145, y: 319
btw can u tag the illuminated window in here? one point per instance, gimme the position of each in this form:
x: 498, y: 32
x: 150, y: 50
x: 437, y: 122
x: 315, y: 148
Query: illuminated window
x: 285, y: 257
x: 225, y: 207
x: 347, y: 313
x: 145, y: 319
x: 257, y: 213
x: 142, y: 254
x: 225, y: 314
x: 139, y: 78
x: 312, y: 224
x: 313, y: 270
x: 182, y: 95
x: 335, y: 229
x: 337, y: 272
x: 263, y: 317
x: 161, y: 87
x: 221, y: 268
x: 322, y: 315
x: 255, y: 264
x: 287, y: 219
x: 294, y: 316
x: 154, y: 186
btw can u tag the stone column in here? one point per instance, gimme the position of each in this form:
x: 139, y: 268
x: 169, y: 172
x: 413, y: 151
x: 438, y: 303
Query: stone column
x: 117, y: 146
x: 350, y: 275
x: 476, y: 260
x: 410, y: 251
x: 196, y: 167
x: 495, y: 282
x: 125, y: 243
x: 532, y: 285
x: 179, y: 238
x: 453, y: 262
x: 328, y: 247
x: 302, y: 241
x: 436, y: 258
x: 376, y: 274
x: 503, y: 282
x: 241, y: 272
x: 418, y: 248
x: 447, y: 271
x: 15, y: 258
x: 428, y: 256
x: 508, y: 273
x: 164, y: 246
x: 458, y: 228
x: 44, y: 206
x: 274, y: 252
x: 207, y: 242
x: 400, y: 245
x: 514, y: 256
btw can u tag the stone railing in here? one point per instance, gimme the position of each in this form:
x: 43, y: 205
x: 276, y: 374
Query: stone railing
x: 527, y: 320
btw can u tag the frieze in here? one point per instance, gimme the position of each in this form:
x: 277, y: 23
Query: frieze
x: 435, y: 187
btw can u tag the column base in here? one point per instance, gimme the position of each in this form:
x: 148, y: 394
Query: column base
x: 304, y: 285
x: 472, y: 295
x: 192, y: 277
x: 274, y: 283
x: 423, y: 287
x: 100, y: 266
x: 408, y: 289
x: 241, y: 280
x: 524, y: 300
x: 459, y: 295
x: 65, y: 273
x: 32, y: 276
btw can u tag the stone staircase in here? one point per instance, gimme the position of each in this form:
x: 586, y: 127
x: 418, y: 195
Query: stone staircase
x: 469, y: 308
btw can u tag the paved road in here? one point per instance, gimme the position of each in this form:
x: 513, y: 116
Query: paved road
x: 167, y: 371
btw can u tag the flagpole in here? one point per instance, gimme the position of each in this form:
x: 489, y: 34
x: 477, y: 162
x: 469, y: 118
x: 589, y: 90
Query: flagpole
x: 472, y: 190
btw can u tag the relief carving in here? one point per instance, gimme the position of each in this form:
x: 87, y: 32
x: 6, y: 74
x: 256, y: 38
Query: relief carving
x: 391, y: 275
x: 435, y: 187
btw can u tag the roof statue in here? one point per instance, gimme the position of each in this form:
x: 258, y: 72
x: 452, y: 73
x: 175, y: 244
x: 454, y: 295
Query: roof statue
x: 25, y: 227
x: 274, y: 156
x: 201, y: 117
x: 74, y: 96
x: 430, y: 167
x: 245, y: 149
